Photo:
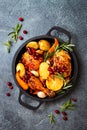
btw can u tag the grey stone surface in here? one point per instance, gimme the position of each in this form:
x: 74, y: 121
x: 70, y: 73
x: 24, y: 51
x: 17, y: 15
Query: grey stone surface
x: 39, y: 16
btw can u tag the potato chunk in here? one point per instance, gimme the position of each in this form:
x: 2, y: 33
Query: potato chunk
x: 44, y: 45
x: 54, y: 83
x: 32, y: 44
x: 43, y: 70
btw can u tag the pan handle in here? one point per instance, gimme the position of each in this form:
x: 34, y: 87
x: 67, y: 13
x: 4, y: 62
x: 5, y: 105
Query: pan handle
x: 59, y: 29
x: 27, y: 105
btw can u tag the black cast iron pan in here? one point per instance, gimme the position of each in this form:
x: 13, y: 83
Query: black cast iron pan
x: 22, y: 49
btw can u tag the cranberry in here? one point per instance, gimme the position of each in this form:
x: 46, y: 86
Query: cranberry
x: 51, y: 63
x: 20, y: 37
x: 74, y: 99
x: 8, y: 94
x: 11, y: 87
x: 57, y: 111
x: 33, y: 51
x: 29, y: 51
x: 25, y: 31
x: 50, y: 70
x: 64, y: 113
x: 21, y: 19
x: 9, y: 83
x: 65, y: 118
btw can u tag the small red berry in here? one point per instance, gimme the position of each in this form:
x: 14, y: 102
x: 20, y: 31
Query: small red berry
x: 65, y: 118
x: 9, y: 83
x: 21, y: 19
x: 8, y: 94
x: 11, y: 87
x: 57, y: 111
x: 64, y: 113
x: 25, y: 31
x: 20, y: 37
x: 74, y: 99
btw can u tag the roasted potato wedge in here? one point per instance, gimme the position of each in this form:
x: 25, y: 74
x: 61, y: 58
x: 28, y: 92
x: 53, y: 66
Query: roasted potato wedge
x: 43, y: 70
x: 32, y: 44
x: 44, y: 45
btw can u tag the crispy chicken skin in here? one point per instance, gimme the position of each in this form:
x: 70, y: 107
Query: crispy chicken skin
x: 30, y: 62
x: 35, y: 84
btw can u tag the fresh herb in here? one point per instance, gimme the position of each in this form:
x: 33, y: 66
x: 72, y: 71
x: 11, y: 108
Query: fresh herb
x: 65, y: 46
x: 51, y: 117
x: 62, y: 46
x: 8, y: 44
x: 48, y: 55
x: 68, y: 105
x: 14, y: 34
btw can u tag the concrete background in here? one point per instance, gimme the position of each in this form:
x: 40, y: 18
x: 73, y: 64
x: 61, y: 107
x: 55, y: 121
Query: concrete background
x: 39, y: 16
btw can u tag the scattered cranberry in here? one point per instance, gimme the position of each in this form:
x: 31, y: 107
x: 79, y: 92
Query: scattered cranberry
x: 74, y: 99
x: 9, y: 83
x: 11, y: 87
x: 64, y: 113
x: 50, y: 70
x: 20, y: 37
x: 65, y: 118
x: 21, y: 19
x: 57, y: 111
x: 29, y: 51
x: 25, y: 31
x: 8, y: 94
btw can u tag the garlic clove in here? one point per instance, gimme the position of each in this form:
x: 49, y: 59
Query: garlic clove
x: 35, y: 73
x: 41, y: 94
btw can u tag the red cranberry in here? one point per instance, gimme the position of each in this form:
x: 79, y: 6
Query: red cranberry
x: 51, y: 63
x: 57, y: 111
x: 74, y: 99
x: 65, y: 118
x: 50, y: 70
x: 29, y: 51
x: 11, y: 87
x: 9, y: 83
x: 8, y: 94
x: 21, y: 19
x: 64, y: 113
x: 25, y: 31
x: 20, y: 37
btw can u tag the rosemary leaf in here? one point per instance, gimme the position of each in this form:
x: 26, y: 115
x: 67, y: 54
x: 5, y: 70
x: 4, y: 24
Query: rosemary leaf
x: 51, y: 117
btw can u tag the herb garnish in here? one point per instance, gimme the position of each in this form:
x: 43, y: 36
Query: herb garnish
x: 62, y: 46
x: 8, y: 44
x: 15, y: 32
x: 51, y: 116
x: 68, y: 105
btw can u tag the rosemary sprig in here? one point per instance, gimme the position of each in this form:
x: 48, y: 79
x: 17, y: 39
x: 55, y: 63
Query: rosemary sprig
x: 51, y: 117
x: 68, y: 105
x: 62, y: 46
x: 8, y: 44
x: 14, y: 34
x: 65, y: 46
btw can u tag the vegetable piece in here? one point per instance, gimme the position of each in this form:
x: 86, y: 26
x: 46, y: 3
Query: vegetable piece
x: 20, y: 67
x: 35, y: 73
x: 44, y: 45
x: 23, y: 84
x: 32, y: 44
x: 54, y: 83
x: 41, y: 94
x: 56, y: 43
x: 43, y: 70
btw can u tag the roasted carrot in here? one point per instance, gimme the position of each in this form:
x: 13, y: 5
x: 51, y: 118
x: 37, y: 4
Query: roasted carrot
x: 56, y: 43
x: 23, y: 84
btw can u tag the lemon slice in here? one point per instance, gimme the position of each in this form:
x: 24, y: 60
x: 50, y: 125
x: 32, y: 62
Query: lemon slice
x: 54, y: 84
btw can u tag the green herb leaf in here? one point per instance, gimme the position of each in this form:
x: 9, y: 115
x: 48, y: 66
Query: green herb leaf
x: 47, y: 55
x: 14, y: 34
x: 68, y: 105
x: 51, y: 117
x: 8, y: 44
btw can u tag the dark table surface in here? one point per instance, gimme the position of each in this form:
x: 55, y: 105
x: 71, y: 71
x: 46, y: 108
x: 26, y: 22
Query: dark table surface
x: 39, y: 16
